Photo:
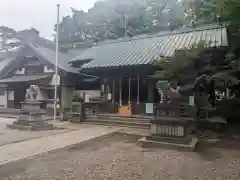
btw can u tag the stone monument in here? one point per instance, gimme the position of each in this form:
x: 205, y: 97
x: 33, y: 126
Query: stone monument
x: 168, y: 128
x: 31, y: 116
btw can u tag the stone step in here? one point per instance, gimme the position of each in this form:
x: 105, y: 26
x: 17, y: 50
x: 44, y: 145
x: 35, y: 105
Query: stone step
x: 140, y: 117
x: 119, y: 120
x: 110, y: 118
x: 74, y: 120
x: 30, y: 123
x: 176, y: 140
x: 191, y: 145
x: 128, y: 123
x: 31, y: 128
x: 118, y: 125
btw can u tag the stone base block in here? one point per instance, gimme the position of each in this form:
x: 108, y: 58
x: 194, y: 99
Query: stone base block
x: 30, y: 117
x: 175, y: 140
x: 30, y: 123
x: 32, y: 127
x: 186, y: 144
x: 74, y: 120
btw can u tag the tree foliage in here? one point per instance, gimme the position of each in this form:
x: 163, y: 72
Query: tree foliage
x: 192, y: 62
x: 211, y: 11
x: 184, y: 65
x: 12, y: 39
x: 109, y: 19
x: 112, y: 19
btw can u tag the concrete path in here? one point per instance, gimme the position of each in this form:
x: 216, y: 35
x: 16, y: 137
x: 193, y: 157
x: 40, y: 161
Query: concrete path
x: 4, y: 122
x: 17, y: 151
x: 9, y: 136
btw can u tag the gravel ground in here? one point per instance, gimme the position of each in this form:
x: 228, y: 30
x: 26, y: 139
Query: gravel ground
x: 120, y: 157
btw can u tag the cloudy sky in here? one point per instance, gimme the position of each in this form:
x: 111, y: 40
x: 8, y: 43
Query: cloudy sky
x: 40, y: 14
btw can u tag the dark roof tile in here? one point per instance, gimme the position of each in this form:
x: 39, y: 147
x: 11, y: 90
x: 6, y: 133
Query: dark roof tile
x: 50, y: 56
x: 145, y: 50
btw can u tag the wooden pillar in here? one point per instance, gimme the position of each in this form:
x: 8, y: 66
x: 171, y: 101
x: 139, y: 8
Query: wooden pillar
x: 150, y: 91
x: 113, y: 91
x: 101, y: 87
x: 120, y: 91
x: 105, y: 89
x: 129, y: 90
x: 138, y: 84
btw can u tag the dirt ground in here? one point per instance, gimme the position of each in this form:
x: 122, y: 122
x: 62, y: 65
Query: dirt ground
x: 119, y: 157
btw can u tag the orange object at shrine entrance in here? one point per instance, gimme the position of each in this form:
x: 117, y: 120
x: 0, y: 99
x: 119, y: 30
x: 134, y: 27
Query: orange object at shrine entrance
x: 125, y: 110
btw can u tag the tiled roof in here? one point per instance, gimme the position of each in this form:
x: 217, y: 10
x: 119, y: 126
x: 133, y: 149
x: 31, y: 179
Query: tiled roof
x: 23, y: 78
x: 144, y: 50
x: 3, y: 55
x: 4, y: 63
x: 50, y: 56
x: 47, y: 54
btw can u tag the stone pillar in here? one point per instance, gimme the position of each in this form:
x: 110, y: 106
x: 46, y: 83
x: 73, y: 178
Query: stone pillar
x: 66, y: 97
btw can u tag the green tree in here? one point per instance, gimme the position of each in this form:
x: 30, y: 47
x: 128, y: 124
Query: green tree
x: 223, y: 12
x: 112, y: 19
x: 184, y: 66
x: 212, y: 11
x: 12, y: 40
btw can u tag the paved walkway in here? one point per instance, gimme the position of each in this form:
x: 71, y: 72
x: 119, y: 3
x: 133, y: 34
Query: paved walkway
x: 9, y: 136
x: 17, y: 151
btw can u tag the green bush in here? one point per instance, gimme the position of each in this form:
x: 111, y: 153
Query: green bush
x: 188, y: 110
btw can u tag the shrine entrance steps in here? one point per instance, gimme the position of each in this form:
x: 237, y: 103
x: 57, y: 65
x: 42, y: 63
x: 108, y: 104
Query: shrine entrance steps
x: 185, y: 144
x: 138, y: 121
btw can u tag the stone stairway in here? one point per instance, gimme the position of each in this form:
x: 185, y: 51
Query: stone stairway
x: 142, y: 122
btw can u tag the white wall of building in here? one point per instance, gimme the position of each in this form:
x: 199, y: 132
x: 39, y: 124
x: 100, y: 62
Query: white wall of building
x: 3, y: 99
x: 11, y: 95
x: 90, y: 93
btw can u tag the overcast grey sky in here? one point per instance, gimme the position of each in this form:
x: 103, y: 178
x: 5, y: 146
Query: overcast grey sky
x: 40, y: 14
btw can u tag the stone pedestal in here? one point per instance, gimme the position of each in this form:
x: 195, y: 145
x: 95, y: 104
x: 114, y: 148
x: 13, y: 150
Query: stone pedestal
x: 171, y: 132
x: 31, y: 118
x: 78, y: 112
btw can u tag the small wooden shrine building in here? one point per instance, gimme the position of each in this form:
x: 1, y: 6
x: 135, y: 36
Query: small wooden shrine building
x: 125, y: 66
x: 35, y: 65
